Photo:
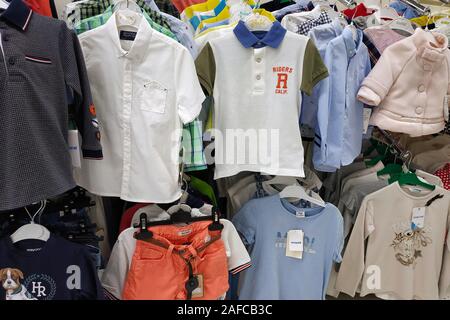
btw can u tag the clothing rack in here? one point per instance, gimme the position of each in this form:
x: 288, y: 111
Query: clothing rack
x: 405, y: 155
x: 420, y: 8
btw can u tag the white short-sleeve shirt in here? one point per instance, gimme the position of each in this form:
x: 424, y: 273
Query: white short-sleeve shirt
x: 143, y: 90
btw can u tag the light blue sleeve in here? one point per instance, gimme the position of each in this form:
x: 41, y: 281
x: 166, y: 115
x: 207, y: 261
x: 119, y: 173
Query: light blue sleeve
x: 337, y: 255
x: 246, y: 223
x: 323, y: 112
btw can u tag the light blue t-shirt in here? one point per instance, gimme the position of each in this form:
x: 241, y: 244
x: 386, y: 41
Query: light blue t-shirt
x: 263, y: 224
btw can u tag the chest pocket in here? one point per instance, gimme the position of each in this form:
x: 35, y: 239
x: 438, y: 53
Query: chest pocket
x: 154, y: 97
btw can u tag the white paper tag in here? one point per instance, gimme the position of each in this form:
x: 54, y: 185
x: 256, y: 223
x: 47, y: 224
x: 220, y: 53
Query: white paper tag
x: 198, y: 292
x: 366, y: 118
x: 418, y: 218
x: 446, y: 106
x: 74, y: 148
x: 300, y: 213
x: 295, y: 240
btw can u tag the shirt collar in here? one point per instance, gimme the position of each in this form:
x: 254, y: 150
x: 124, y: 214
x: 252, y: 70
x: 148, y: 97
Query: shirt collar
x: 140, y: 43
x: 273, y: 37
x: 352, y: 45
x: 18, y: 14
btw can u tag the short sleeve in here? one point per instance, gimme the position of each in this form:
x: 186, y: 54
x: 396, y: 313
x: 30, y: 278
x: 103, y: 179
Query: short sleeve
x: 189, y: 95
x: 115, y: 274
x: 238, y: 257
x: 314, y: 69
x: 82, y: 107
x: 206, y: 69
x: 245, y: 223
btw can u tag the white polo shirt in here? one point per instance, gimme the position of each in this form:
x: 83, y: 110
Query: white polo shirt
x: 256, y: 87
x: 143, y: 90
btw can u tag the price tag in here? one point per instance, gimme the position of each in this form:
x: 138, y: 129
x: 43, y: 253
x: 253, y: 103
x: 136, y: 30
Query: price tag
x: 74, y: 148
x: 198, y: 292
x: 418, y: 218
x: 366, y: 118
x: 294, y: 245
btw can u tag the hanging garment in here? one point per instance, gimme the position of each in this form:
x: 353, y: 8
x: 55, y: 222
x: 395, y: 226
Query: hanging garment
x: 41, y: 61
x: 43, y: 7
x: 264, y: 224
x: 409, y: 259
x: 273, y: 68
x: 80, y: 10
x: 321, y: 36
x: 339, y: 130
x: 53, y: 270
x: 404, y: 87
x: 359, y: 11
x: 118, y: 268
x: 141, y: 122
x: 377, y: 39
x: 444, y: 174
x: 161, y: 268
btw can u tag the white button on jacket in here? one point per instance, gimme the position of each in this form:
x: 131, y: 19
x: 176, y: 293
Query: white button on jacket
x: 143, y: 91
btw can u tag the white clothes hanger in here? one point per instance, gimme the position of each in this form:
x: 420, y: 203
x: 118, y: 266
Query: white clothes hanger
x: 128, y: 13
x: 400, y: 23
x: 257, y: 22
x: 32, y: 230
x: 281, y: 181
x: 4, y: 4
x: 298, y: 193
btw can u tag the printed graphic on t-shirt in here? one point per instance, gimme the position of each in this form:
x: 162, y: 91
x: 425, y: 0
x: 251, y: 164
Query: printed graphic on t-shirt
x: 408, y: 244
x: 308, y: 242
x: 38, y: 286
x: 11, y: 281
x: 282, y: 74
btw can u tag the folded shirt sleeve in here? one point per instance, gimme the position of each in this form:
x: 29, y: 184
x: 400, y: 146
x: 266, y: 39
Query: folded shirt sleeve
x: 377, y: 84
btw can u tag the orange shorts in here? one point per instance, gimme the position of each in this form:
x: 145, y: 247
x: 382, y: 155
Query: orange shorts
x: 160, y: 269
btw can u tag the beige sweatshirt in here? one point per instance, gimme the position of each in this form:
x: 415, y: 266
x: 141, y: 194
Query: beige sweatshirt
x: 397, y: 262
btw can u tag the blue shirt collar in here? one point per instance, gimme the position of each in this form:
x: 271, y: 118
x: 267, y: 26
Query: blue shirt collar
x: 18, y: 14
x: 352, y: 45
x: 272, y: 38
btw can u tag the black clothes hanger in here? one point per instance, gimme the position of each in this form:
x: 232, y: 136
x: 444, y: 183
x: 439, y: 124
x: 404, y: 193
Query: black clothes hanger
x: 180, y: 216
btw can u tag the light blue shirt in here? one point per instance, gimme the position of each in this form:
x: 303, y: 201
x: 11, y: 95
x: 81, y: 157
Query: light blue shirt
x: 404, y: 10
x: 321, y: 36
x: 339, y: 129
x: 263, y: 224
x: 179, y: 28
x: 299, y: 6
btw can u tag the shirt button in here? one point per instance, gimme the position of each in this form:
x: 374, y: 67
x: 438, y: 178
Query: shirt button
x: 12, y: 61
x: 421, y: 88
x: 258, y: 60
x: 419, y: 110
x: 258, y: 77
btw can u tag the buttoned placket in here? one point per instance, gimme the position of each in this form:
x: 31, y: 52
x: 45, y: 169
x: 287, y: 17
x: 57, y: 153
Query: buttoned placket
x: 258, y: 71
x: 351, y: 52
x: 422, y: 90
x: 126, y: 123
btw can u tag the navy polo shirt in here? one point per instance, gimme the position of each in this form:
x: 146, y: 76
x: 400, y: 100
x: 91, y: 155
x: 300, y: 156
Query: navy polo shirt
x: 40, y: 59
